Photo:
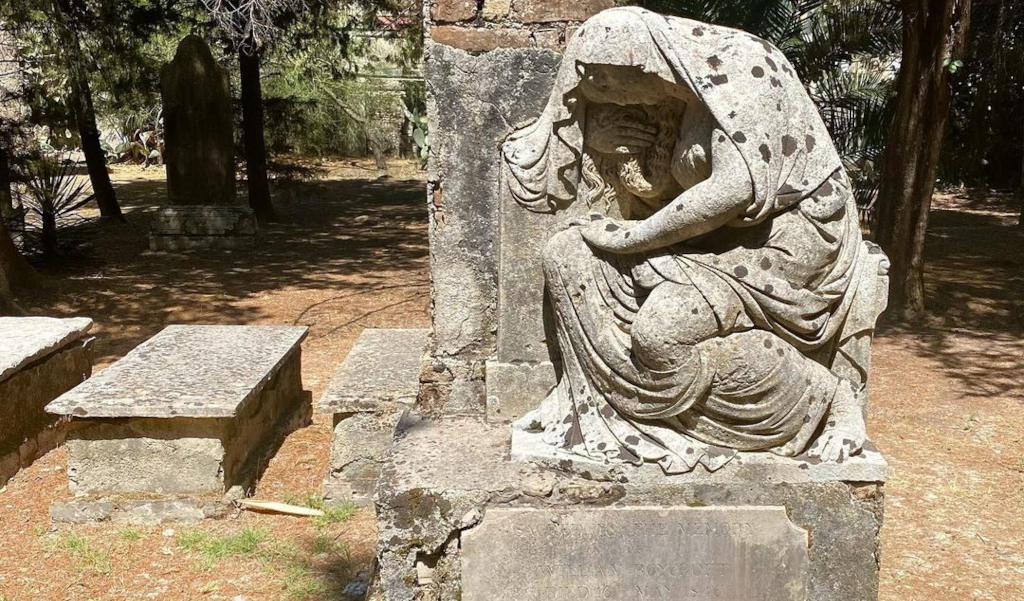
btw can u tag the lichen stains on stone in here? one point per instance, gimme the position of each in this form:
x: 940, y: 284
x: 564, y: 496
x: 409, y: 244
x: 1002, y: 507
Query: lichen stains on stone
x: 789, y: 145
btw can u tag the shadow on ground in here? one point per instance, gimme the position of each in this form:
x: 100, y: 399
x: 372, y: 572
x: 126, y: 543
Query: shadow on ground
x: 358, y: 233
x: 974, y: 279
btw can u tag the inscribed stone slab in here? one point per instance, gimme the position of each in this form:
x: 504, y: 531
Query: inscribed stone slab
x: 627, y: 554
x: 382, y: 367
x: 186, y: 371
x: 27, y: 339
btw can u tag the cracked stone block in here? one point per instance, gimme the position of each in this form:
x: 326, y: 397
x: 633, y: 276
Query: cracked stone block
x: 40, y: 358
x: 196, y: 411
x: 368, y: 395
x: 456, y: 491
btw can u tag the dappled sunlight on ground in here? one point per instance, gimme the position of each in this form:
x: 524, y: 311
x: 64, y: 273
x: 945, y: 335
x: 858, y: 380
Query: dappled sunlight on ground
x: 947, y: 399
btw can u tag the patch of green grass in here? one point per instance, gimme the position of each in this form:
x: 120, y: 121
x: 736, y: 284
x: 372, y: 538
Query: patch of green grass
x: 212, y: 549
x: 326, y: 544
x: 130, y: 534
x: 84, y: 554
x: 335, y: 514
x: 301, y: 582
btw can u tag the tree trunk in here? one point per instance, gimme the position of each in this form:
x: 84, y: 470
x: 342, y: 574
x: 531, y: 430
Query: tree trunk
x: 253, y: 133
x: 6, y: 183
x: 933, y: 31
x: 80, y: 102
x: 379, y: 157
x: 95, y: 158
x: 15, y: 273
x: 1020, y: 185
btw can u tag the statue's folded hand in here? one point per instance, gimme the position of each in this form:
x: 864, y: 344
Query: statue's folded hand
x: 608, y: 234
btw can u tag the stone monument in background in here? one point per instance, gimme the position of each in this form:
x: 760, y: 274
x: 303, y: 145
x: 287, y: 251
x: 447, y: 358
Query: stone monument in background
x: 652, y: 318
x: 199, y: 154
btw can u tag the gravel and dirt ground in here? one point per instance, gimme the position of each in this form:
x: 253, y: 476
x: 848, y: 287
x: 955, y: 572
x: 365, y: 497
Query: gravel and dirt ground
x: 947, y: 409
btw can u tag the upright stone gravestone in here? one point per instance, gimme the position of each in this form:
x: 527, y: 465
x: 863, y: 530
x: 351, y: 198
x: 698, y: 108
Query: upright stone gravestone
x: 646, y: 256
x: 199, y: 155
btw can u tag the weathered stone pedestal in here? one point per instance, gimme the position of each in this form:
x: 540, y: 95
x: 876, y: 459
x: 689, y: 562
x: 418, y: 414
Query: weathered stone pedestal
x: 203, y: 227
x: 369, y: 394
x: 40, y: 358
x: 460, y: 518
x: 183, y: 424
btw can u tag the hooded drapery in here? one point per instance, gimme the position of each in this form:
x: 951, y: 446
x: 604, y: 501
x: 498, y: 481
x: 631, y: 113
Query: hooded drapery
x: 780, y: 278
x: 747, y: 84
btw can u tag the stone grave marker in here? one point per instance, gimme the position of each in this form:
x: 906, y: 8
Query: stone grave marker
x: 633, y: 554
x: 649, y: 292
x: 367, y: 397
x: 183, y: 423
x: 199, y: 157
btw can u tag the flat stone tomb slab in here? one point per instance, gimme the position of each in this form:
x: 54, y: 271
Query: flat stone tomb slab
x: 196, y: 410
x: 636, y: 553
x: 40, y: 358
x: 186, y: 371
x: 382, y: 367
x: 27, y: 339
x: 368, y: 395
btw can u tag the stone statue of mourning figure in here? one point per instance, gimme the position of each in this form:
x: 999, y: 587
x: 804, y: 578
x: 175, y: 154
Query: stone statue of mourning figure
x: 719, y: 297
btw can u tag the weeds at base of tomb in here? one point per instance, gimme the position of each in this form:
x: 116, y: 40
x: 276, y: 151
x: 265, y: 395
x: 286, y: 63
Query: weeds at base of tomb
x: 86, y: 557
x: 301, y: 580
x: 333, y: 514
x: 130, y: 534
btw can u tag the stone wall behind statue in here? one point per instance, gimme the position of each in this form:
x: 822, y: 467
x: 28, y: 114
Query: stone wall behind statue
x: 489, y: 68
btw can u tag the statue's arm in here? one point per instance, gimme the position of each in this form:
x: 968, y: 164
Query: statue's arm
x: 703, y: 208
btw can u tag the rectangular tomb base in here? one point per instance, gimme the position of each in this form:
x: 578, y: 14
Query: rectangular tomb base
x: 458, y: 518
x: 40, y: 358
x: 145, y: 450
x: 368, y: 395
x: 178, y: 228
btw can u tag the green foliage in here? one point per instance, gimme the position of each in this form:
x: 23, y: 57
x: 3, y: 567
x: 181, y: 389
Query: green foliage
x: 49, y: 199
x: 420, y: 134
x: 846, y: 53
x: 84, y: 555
x: 333, y: 513
x: 210, y: 549
x: 983, y: 146
x: 336, y: 80
x: 130, y: 534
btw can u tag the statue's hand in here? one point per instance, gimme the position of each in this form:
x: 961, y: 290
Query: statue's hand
x: 608, y: 234
x: 620, y: 132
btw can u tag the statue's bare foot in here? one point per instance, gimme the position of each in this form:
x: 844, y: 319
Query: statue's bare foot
x: 845, y: 432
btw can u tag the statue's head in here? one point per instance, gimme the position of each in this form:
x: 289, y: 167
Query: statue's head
x: 622, y: 85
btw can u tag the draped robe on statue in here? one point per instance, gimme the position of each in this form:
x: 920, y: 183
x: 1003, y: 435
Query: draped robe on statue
x: 785, y: 280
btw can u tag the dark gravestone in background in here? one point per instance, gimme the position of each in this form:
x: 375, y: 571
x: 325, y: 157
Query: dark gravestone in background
x: 199, y: 147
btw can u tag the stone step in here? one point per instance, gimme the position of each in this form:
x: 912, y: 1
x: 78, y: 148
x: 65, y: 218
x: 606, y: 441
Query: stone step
x: 40, y: 358
x: 383, y: 367
x: 371, y: 391
x: 194, y: 412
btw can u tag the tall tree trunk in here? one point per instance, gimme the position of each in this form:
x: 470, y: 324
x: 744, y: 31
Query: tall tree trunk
x: 933, y: 31
x: 15, y: 273
x: 253, y: 133
x: 80, y: 102
x: 6, y: 183
x: 1020, y: 184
